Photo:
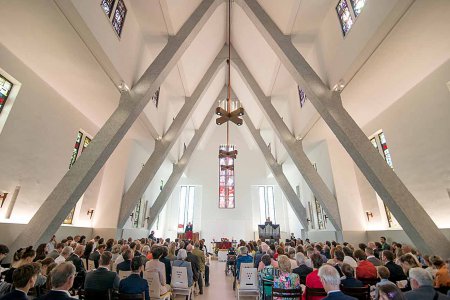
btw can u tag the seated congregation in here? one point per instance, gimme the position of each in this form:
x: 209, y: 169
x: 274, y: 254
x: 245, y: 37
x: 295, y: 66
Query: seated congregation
x: 163, y: 269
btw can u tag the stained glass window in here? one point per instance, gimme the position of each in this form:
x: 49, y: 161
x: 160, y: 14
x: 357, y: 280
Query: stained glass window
x: 227, y: 155
x: 357, y: 6
x: 387, y: 157
x: 76, y: 148
x: 301, y: 96
x: 345, y: 16
x: 186, y: 211
x: 107, y: 6
x: 119, y: 17
x: 155, y: 97
x: 266, y: 203
x: 5, y: 89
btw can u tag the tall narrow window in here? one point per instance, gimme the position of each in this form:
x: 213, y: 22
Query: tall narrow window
x: 107, y: 6
x: 266, y: 203
x: 155, y: 97
x: 186, y: 212
x: 226, y: 176
x: 357, y: 6
x: 119, y: 17
x: 5, y: 89
x: 378, y: 140
x: 345, y: 16
x: 75, y: 154
x: 301, y: 96
x: 320, y: 214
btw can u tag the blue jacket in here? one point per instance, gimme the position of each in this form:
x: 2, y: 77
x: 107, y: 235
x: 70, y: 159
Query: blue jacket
x: 187, y: 265
x: 242, y: 259
x: 338, y: 296
x: 134, y: 284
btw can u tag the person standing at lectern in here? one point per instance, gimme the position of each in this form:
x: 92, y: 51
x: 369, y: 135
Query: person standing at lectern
x: 188, y: 231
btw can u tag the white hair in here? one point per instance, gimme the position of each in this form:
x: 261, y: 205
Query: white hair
x: 182, y: 254
x: 422, y: 276
x: 329, y: 275
x: 300, y: 258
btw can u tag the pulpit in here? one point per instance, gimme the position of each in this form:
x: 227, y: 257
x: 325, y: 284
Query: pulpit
x: 183, y: 236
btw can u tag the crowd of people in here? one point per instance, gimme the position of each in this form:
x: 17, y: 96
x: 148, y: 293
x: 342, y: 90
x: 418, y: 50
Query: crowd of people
x: 60, y: 270
x: 393, y: 271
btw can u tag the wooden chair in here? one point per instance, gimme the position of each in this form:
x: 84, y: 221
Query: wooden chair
x: 154, y: 286
x: 124, y: 274
x: 96, y: 295
x: 131, y: 296
x: 179, y: 282
x: 248, y: 283
x: 287, y: 293
x: 361, y: 293
x: 311, y: 292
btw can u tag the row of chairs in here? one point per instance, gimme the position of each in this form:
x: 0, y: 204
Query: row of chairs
x: 179, y: 286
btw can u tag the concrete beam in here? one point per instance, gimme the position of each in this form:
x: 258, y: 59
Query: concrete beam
x: 162, y: 147
x: 417, y: 224
x: 278, y: 174
x: 63, y: 198
x: 293, y: 147
x: 179, y: 168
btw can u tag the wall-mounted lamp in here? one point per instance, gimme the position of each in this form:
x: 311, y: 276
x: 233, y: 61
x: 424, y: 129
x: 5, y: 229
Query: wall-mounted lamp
x: 3, y: 198
x: 308, y: 220
x: 325, y: 218
x: 90, y: 212
x: 123, y: 87
x: 369, y: 215
x: 339, y: 87
x: 132, y: 216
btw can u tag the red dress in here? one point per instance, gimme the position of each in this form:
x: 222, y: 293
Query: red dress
x: 313, y: 281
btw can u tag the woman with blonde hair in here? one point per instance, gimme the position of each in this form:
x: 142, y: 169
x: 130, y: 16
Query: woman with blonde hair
x: 286, y: 279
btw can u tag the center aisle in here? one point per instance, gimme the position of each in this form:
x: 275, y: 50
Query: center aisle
x: 221, y: 286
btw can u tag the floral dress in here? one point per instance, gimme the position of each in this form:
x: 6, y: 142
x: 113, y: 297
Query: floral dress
x: 286, y: 281
x: 265, y: 274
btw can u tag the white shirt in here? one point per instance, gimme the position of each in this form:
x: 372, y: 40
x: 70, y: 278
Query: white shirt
x: 60, y: 259
x: 119, y: 259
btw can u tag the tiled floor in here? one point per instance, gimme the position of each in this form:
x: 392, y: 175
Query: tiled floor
x: 221, y: 286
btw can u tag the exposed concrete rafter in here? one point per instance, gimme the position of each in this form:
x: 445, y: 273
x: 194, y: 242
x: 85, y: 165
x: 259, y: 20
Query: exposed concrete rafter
x: 68, y: 191
x: 163, y: 147
x: 180, y: 166
x: 413, y: 218
x: 293, y: 147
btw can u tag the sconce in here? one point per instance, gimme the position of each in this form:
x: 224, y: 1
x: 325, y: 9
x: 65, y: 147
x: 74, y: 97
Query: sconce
x: 369, y: 215
x: 308, y: 220
x: 325, y: 218
x: 132, y: 216
x: 3, y: 198
x: 90, y: 212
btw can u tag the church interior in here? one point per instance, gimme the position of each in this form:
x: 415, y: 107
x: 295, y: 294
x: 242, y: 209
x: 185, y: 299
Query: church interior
x: 206, y: 119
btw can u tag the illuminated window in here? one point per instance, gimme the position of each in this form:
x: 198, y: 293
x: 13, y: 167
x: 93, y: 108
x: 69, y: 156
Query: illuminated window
x: 378, y: 140
x: 357, y: 6
x: 227, y: 155
x: 119, y: 17
x: 266, y: 203
x: 5, y: 89
x: 186, y: 212
x: 301, y: 96
x: 75, y: 154
x: 345, y: 16
x: 107, y: 6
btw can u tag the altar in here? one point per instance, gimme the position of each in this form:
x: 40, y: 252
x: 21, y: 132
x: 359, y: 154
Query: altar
x: 195, y: 236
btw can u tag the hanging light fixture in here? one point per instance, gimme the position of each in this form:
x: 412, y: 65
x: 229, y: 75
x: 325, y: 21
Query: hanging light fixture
x: 228, y: 110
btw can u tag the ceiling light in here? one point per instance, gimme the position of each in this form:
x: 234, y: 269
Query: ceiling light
x: 123, y: 87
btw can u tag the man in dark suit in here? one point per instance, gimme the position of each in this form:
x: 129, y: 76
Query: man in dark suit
x: 126, y: 264
x: 422, y: 286
x: 24, y: 278
x: 134, y: 284
x: 75, y: 258
x: 371, y: 257
x: 396, y: 272
x: 195, y: 263
x: 95, y: 256
x: 302, y: 270
x: 62, y: 278
x: 330, y: 279
x: 102, y: 279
